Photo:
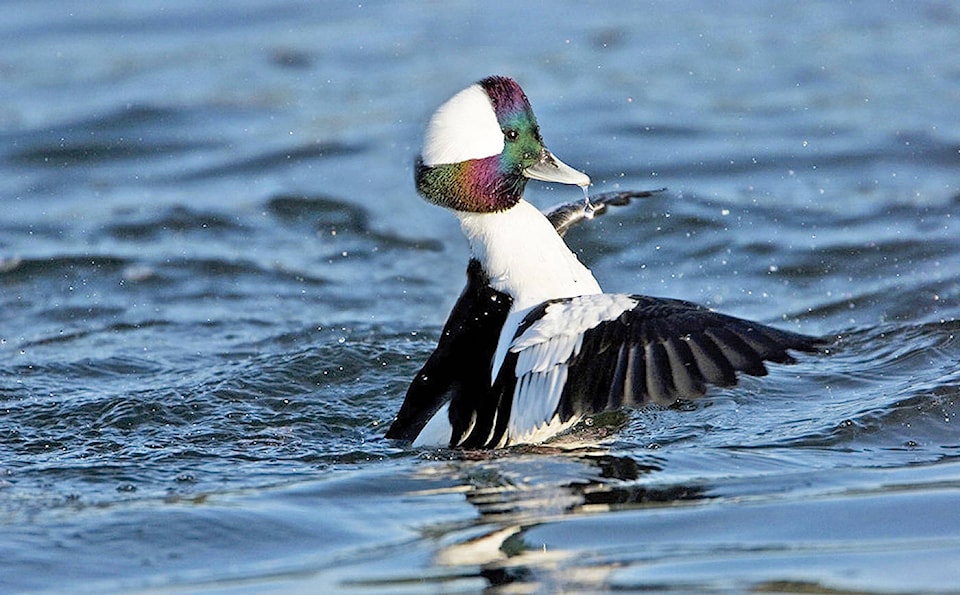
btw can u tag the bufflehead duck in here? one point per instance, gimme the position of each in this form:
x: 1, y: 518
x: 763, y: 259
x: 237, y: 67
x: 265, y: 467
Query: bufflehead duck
x: 533, y: 345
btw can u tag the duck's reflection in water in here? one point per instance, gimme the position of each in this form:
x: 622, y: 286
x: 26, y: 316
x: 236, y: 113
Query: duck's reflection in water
x: 516, y: 490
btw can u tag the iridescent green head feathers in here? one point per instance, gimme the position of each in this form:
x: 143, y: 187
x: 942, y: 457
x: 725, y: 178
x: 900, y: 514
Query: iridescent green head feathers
x: 482, y: 146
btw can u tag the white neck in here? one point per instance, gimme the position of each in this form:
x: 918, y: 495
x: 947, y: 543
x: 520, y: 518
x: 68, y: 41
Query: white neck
x: 525, y: 257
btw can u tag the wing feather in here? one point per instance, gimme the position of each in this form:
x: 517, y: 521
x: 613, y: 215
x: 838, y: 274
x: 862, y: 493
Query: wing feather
x: 584, y: 355
x: 737, y: 351
x: 659, y: 380
x: 686, y: 375
x: 619, y: 394
x: 578, y: 356
x: 714, y: 367
x: 545, y: 342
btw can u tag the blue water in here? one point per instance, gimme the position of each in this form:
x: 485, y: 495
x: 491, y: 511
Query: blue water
x: 216, y: 280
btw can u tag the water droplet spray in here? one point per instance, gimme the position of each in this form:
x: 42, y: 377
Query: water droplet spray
x: 588, y: 208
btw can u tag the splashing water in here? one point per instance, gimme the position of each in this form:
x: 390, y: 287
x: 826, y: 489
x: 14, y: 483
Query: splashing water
x: 588, y: 208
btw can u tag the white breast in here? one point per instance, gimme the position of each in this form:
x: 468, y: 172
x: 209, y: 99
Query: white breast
x: 526, y: 259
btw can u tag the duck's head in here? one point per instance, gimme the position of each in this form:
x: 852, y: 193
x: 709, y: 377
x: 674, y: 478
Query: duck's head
x: 482, y: 146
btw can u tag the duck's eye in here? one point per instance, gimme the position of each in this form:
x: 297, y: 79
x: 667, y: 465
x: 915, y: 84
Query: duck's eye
x: 511, y: 134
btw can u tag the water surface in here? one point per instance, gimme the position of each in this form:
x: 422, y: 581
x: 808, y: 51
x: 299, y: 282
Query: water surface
x: 216, y: 281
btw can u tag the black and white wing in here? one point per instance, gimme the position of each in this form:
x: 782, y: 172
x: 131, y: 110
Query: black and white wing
x: 579, y: 356
x: 454, y: 383
x: 566, y: 215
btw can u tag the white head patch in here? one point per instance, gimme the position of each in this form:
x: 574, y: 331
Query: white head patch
x: 463, y: 128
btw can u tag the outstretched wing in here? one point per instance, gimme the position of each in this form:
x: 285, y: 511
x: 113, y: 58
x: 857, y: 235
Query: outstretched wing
x: 578, y: 356
x: 454, y: 383
x: 566, y: 215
